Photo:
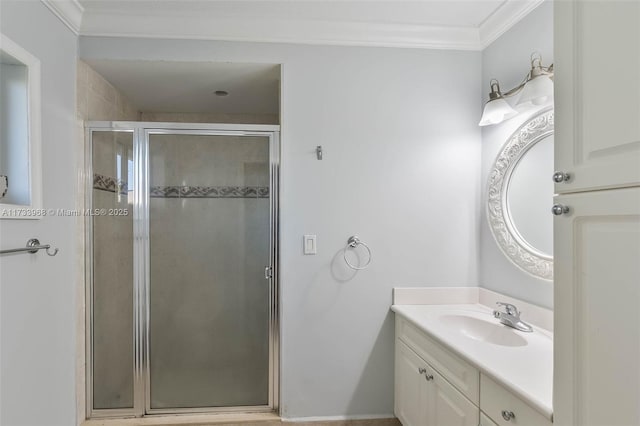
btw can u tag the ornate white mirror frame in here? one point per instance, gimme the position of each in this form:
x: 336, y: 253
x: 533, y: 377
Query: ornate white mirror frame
x: 512, y: 244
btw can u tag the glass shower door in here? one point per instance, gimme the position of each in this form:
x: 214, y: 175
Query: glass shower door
x: 209, y: 219
x: 111, y: 269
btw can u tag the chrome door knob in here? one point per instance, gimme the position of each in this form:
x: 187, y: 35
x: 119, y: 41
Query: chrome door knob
x: 508, y: 415
x: 559, y: 209
x: 559, y: 177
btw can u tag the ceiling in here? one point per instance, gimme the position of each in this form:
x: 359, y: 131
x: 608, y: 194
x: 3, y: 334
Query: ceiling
x: 441, y: 24
x: 167, y: 86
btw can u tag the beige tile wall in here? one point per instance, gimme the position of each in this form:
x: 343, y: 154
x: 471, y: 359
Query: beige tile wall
x: 178, y: 117
x: 98, y: 100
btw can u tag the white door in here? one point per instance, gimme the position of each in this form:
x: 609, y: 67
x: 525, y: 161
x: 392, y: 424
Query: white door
x: 597, y: 93
x: 597, y: 319
x: 447, y: 406
x: 410, y: 387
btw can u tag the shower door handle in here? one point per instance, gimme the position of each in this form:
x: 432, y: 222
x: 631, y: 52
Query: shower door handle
x: 268, y: 272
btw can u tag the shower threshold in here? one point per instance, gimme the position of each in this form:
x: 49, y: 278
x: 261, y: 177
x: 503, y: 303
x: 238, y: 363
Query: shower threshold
x: 264, y: 419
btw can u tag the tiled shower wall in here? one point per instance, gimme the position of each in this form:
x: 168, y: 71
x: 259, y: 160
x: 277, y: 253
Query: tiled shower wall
x: 178, y: 117
x: 98, y: 100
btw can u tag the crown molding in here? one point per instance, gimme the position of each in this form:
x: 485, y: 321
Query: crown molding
x: 68, y: 11
x: 254, y: 29
x: 282, y: 31
x: 505, y: 17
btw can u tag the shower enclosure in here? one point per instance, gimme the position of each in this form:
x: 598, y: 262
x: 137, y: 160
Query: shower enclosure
x: 182, y: 294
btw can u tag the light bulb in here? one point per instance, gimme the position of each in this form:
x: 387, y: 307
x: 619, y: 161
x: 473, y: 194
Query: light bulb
x: 536, y: 91
x: 496, y: 111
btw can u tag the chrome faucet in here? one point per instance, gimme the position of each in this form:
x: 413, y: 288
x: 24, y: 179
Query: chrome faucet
x: 511, y: 317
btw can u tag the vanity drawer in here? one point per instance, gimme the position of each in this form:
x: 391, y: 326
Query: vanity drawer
x: 496, y: 399
x: 458, y: 372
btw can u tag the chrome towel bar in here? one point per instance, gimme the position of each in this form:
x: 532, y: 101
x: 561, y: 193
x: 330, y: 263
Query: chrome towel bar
x: 33, y: 246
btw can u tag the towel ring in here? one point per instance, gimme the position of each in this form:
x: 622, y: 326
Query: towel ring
x: 354, y: 242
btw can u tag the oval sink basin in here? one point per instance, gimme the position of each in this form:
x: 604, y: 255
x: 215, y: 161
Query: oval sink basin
x: 483, y: 330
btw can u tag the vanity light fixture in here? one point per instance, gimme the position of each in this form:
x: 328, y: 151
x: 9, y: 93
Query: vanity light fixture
x: 496, y: 109
x: 536, y: 89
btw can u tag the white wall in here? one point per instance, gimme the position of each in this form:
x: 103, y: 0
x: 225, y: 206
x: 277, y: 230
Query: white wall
x: 37, y: 304
x: 400, y: 169
x: 507, y: 59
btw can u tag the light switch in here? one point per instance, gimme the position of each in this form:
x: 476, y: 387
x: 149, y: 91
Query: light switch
x: 309, y: 242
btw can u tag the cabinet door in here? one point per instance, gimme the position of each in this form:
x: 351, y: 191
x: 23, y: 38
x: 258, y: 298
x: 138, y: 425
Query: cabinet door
x: 597, y: 93
x: 597, y: 319
x: 486, y: 421
x: 447, y: 406
x: 410, y: 387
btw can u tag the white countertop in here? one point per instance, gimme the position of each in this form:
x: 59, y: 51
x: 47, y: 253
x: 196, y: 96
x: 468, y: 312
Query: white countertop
x: 527, y: 371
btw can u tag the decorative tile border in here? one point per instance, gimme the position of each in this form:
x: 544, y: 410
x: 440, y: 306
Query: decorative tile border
x: 106, y: 183
x: 209, y: 192
x: 109, y: 184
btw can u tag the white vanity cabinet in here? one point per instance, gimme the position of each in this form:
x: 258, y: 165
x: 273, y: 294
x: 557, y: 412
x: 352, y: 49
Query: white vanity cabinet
x: 435, y: 387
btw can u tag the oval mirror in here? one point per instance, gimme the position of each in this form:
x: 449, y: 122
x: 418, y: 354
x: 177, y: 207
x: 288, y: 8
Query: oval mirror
x: 520, y: 193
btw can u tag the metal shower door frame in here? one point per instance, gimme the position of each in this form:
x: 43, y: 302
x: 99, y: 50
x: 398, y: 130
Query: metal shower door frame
x: 91, y: 412
x: 141, y: 134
